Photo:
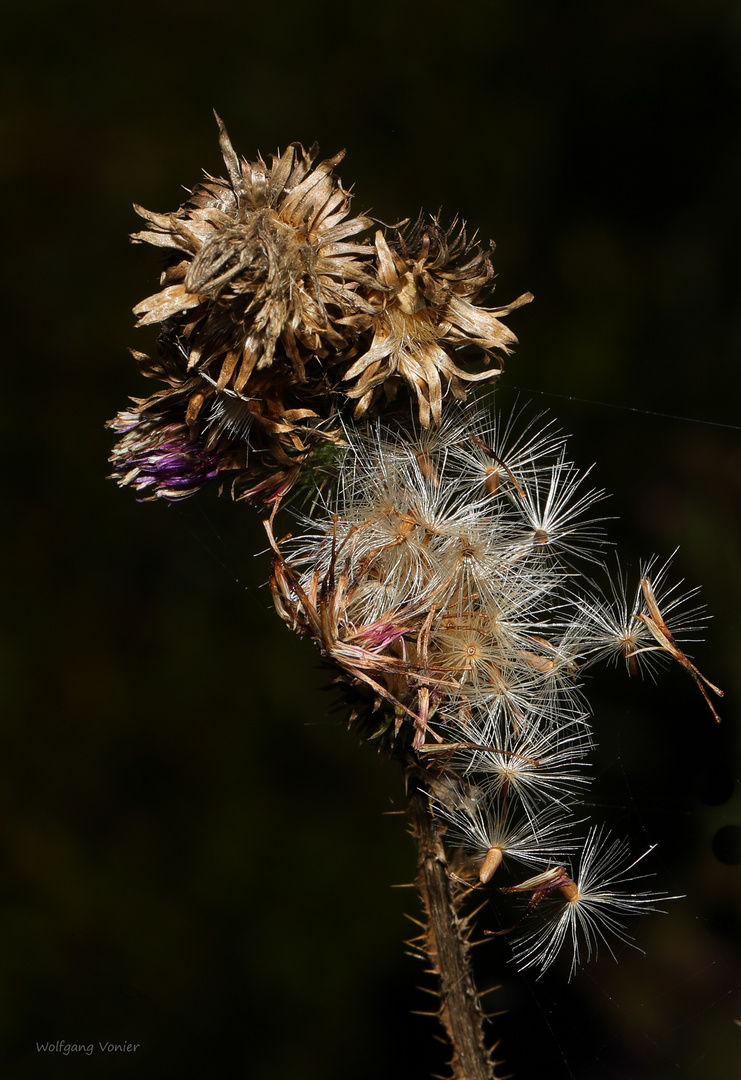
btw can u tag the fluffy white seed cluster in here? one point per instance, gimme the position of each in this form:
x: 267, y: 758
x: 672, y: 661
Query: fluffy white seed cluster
x: 449, y: 575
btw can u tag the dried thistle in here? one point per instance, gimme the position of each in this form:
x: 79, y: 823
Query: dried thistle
x: 272, y: 316
x: 262, y: 286
x: 262, y: 267
x: 258, y: 443
x: 439, y: 569
x: 432, y: 278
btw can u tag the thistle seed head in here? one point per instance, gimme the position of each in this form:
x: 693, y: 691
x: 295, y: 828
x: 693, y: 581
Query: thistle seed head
x: 424, y: 587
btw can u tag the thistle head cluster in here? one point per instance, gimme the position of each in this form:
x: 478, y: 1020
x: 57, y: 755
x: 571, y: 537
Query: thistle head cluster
x: 273, y: 316
x: 449, y: 577
x: 449, y: 566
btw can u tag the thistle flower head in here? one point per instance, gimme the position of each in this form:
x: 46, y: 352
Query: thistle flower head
x: 262, y: 265
x: 159, y: 453
x: 188, y: 433
x: 263, y: 291
x: 431, y: 279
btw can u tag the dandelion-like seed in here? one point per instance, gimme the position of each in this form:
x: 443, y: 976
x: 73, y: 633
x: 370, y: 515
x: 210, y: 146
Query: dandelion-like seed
x: 648, y: 631
x: 528, y: 764
x: 586, y: 910
x: 494, y: 832
x: 552, y: 507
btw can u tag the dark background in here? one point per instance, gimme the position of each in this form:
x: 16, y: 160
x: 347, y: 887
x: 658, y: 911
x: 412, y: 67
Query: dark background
x: 194, y: 855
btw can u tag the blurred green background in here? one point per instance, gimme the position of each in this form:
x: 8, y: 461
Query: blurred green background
x: 194, y: 855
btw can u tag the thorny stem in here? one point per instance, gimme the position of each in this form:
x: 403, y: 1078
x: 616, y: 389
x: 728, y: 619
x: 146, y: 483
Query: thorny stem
x: 445, y: 942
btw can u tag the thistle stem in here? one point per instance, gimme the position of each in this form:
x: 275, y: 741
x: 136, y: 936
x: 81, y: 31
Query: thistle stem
x: 445, y: 941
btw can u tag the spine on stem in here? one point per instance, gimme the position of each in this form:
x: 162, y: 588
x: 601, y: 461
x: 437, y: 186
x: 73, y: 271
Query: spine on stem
x: 445, y: 943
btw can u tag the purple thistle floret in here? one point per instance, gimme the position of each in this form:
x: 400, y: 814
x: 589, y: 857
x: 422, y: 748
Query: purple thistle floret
x: 176, y: 471
x: 164, y: 461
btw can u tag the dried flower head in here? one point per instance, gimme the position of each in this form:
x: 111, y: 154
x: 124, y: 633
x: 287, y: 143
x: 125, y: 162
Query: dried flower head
x: 188, y: 433
x: 160, y: 460
x: 262, y: 286
x: 262, y: 267
x: 432, y: 278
